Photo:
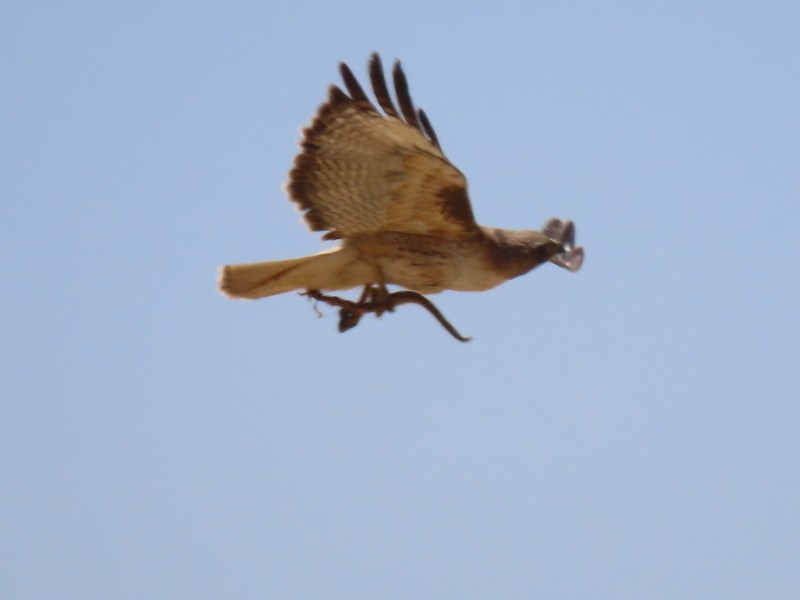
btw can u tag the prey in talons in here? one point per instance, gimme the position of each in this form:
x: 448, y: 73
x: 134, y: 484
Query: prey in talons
x: 377, y: 299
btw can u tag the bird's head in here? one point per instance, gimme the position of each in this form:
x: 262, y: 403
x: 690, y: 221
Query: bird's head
x: 563, y: 232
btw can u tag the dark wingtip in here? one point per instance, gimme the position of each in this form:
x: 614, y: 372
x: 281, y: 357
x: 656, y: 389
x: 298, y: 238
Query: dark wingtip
x: 378, y: 81
x: 336, y: 95
x: 354, y: 88
x: 427, y: 128
x: 404, y: 96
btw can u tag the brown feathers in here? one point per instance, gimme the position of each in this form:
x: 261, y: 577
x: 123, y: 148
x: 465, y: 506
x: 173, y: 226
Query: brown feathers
x: 363, y: 171
x: 375, y: 176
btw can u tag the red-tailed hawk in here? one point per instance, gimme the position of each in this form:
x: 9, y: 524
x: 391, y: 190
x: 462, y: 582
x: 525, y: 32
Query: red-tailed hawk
x: 380, y: 182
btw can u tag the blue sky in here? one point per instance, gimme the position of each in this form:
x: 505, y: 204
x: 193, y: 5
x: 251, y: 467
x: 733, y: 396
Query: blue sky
x: 627, y: 432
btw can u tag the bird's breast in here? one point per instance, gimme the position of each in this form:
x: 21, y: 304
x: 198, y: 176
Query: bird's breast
x: 428, y: 264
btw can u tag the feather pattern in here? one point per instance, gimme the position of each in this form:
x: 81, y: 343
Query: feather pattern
x: 361, y: 171
x: 376, y: 176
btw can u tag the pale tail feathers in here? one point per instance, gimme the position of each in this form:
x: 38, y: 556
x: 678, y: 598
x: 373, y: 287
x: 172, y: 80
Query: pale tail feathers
x: 564, y: 232
x: 330, y: 270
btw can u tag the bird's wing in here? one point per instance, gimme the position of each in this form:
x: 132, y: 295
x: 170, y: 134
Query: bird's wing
x: 363, y: 171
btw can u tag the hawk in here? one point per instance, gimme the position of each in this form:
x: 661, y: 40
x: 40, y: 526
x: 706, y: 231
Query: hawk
x: 379, y: 181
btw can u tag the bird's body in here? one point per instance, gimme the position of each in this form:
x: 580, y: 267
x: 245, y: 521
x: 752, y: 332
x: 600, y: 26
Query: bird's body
x: 381, y: 184
x: 422, y: 263
x: 427, y: 264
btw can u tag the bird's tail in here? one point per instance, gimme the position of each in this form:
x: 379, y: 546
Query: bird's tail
x: 564, y: 233
x: 329, y: 270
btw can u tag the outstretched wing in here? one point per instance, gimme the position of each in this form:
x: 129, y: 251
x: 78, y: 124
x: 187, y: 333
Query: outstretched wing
x: 361, y: 171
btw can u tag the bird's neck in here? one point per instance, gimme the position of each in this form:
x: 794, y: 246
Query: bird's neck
x: 514, y: 253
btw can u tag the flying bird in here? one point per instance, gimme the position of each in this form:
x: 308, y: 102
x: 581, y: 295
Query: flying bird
x: 379, y: 181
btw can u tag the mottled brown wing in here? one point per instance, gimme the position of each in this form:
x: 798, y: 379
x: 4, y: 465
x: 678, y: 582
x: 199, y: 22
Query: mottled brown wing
x: 362, y: 171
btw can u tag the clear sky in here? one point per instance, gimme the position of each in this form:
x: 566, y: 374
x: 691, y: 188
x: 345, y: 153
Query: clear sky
x: 628, y: 432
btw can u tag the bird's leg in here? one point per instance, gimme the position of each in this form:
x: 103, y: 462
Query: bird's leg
x: 379, y: 299
x: 366, y: 295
